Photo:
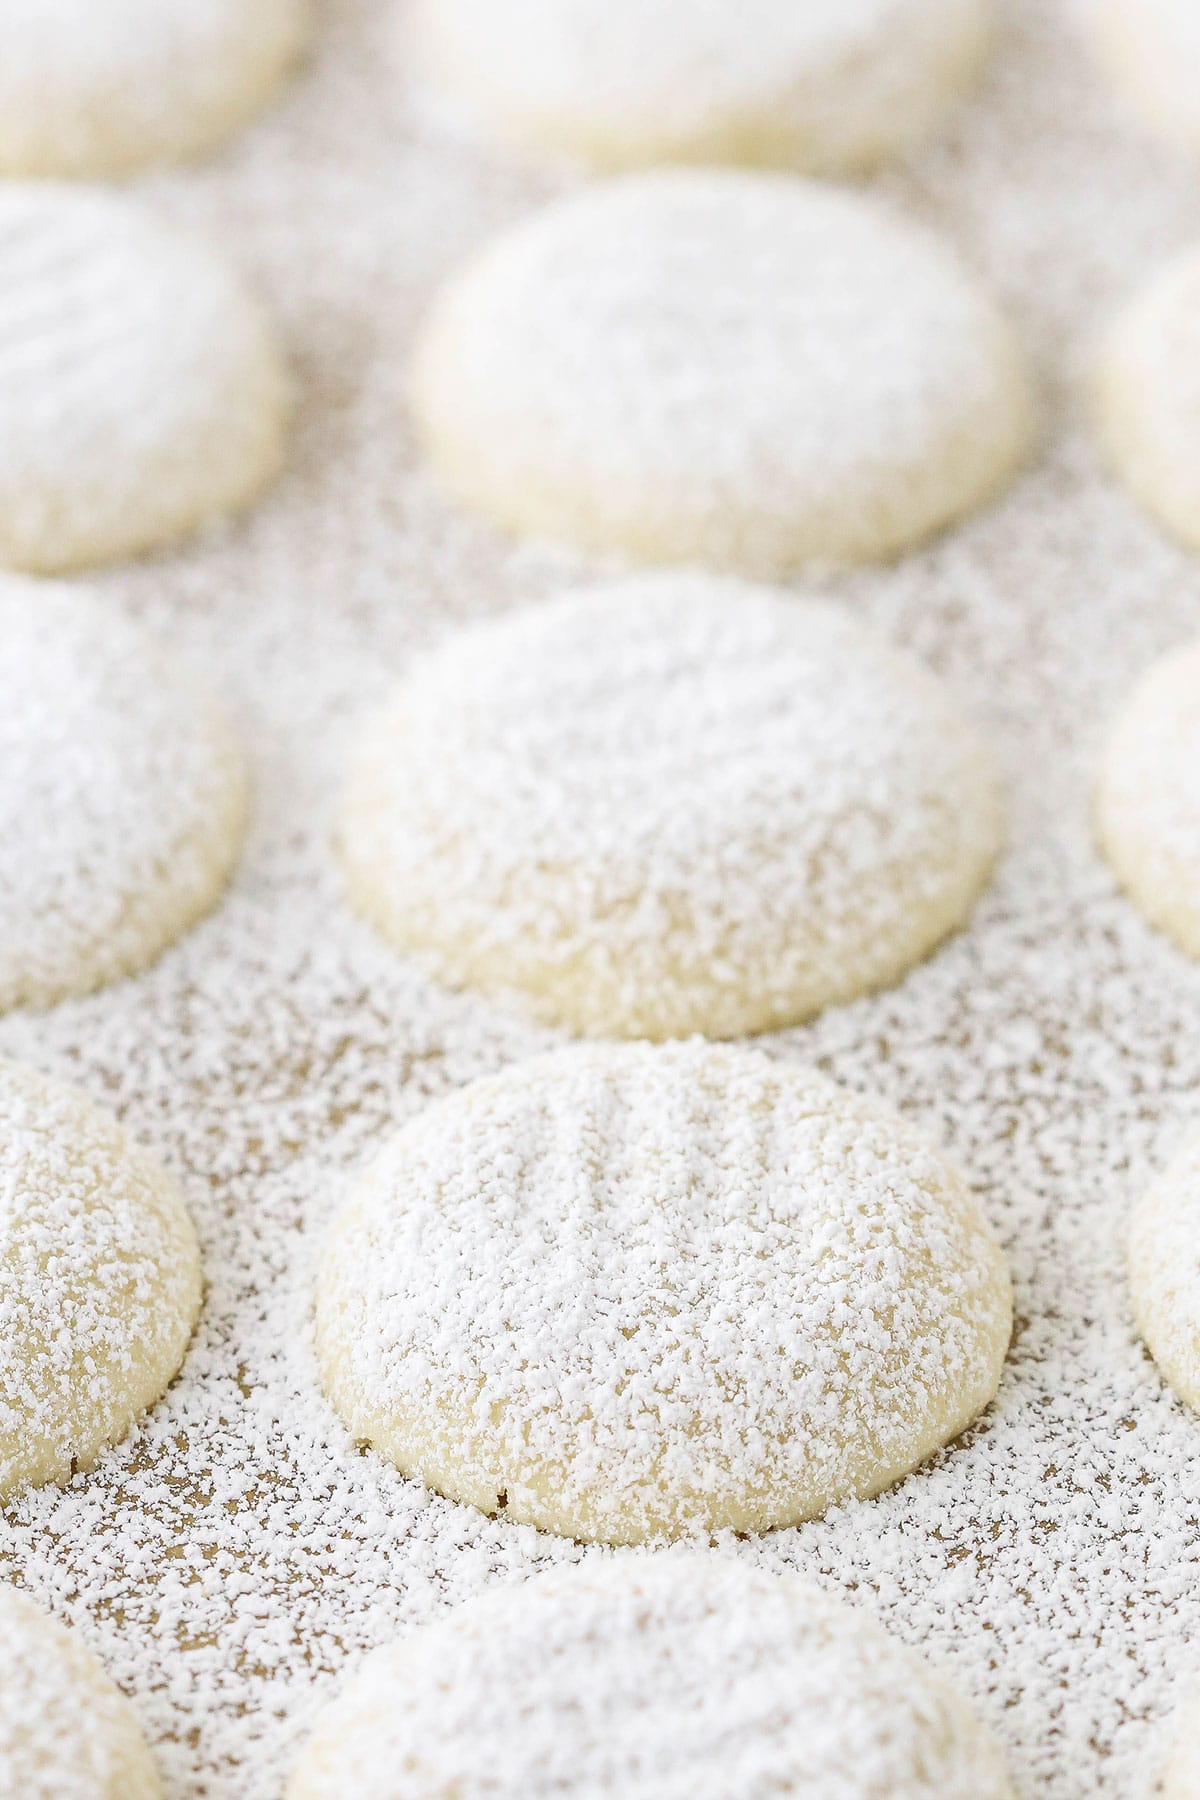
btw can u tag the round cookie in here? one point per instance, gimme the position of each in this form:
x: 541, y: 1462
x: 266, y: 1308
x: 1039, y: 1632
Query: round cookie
x: 66, y: 1733
x: 1152, y: 51
x: 122, y: 796
x: 99, y: 1280
x: 1148, y: 797
x: 93, y: 90
x: 675, y: 804
x: 1164, y: 1272
x: 141, y: 389
x: 1148, y: 398
x: 673, y: 1677
x: 634, y: 1291
x: 830, y: 86
x: 742, y: 370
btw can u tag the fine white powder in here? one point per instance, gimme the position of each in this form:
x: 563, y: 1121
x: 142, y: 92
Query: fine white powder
x: 232, y: 1562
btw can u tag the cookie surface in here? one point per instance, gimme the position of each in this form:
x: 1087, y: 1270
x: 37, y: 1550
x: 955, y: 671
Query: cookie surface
x: 833, y: 86
x: 1152, y: 51
x: 91, y: 91
x: 99, y: 1280
x: 676, y: 1677
x: 704, y: 366
x: 140, y: 387
x: 674, y: 804
x: 1164, y: 1272
x: 123, y: 795
x: 66, y: 1733
x: 632, y: 1291
x: 1148, y: 397
x: 1148, y: 797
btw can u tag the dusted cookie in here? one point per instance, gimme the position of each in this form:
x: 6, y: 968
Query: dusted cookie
x: 831, y: 86
x: 1164, y: 1273
x: 1148, y: 398
x: 141, y: 391
x: 1148, y: 797
x: 99, y: 1280
x: 65, y: 1731
x: 122, y: 795
x: 674, y: 1677
x: 742, y: 370
x: 96, y: 88
x: 671, y: 805
x: 635, y: 1291
x: 1152, y: 51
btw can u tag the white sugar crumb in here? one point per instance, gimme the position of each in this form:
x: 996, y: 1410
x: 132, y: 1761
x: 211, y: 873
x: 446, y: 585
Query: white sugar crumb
x: 671, y: 805
x: 230, y: 1562
x: 657, y: 1680
x: 632, y: 1291
x: 122, y: 794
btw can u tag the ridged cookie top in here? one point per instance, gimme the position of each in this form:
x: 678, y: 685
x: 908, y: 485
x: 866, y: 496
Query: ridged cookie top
x: 670, y: 805
x: 122, y: 795
x: 674, y: 1678
x: 635, y: 1290
x: 140, y: 389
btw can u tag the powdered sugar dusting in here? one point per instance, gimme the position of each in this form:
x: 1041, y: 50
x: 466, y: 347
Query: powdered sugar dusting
x: 141, y: 389
x: 671, y: 805
x: 99, y: 1280
x: 707, y: 365
x: 629, y: 1291
x: 65, y: 1731
x: 122, y: 795
x: 656, y: 1680
x: 232, y: 1561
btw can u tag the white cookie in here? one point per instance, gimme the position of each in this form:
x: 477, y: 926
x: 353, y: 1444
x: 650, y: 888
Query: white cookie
x: 90, y: 89
x: 1148, y: 397
x: 742, y: 370
x: 830, y: 86
x: 141, y: 390
x: 1148, y: 797
x: 631, y: 1291
x: 1152, y: 51
x: 1164, y: 1272
x: 671, y: 805
x: 66, y: 1733
x: 673, y: 1677
x: 99, y: 1281
x: 122, y: 795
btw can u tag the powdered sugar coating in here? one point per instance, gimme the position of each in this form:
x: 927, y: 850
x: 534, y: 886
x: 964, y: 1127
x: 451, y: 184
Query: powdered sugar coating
x: 122, y: 795
x: 631, y: 1291
x: 1151, y: 49
x: 99, y: 1280
x: 141, y: 389
x: 832, y: 86
x: 1164, y: 1271
x: 96, y: 90
x: 1148, y: 393
x: 742, y: 370
x: 680, y: 1677
x: 1148, y: 796
x: 672, y: 804
x: 233, y: 1561
x: 66, y: 1733
x: 1181, y: 1780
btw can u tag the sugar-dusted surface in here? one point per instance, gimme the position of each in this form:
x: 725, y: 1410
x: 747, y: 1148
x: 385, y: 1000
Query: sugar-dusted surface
x: 231, y: 1564
x: 707, y: 1665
